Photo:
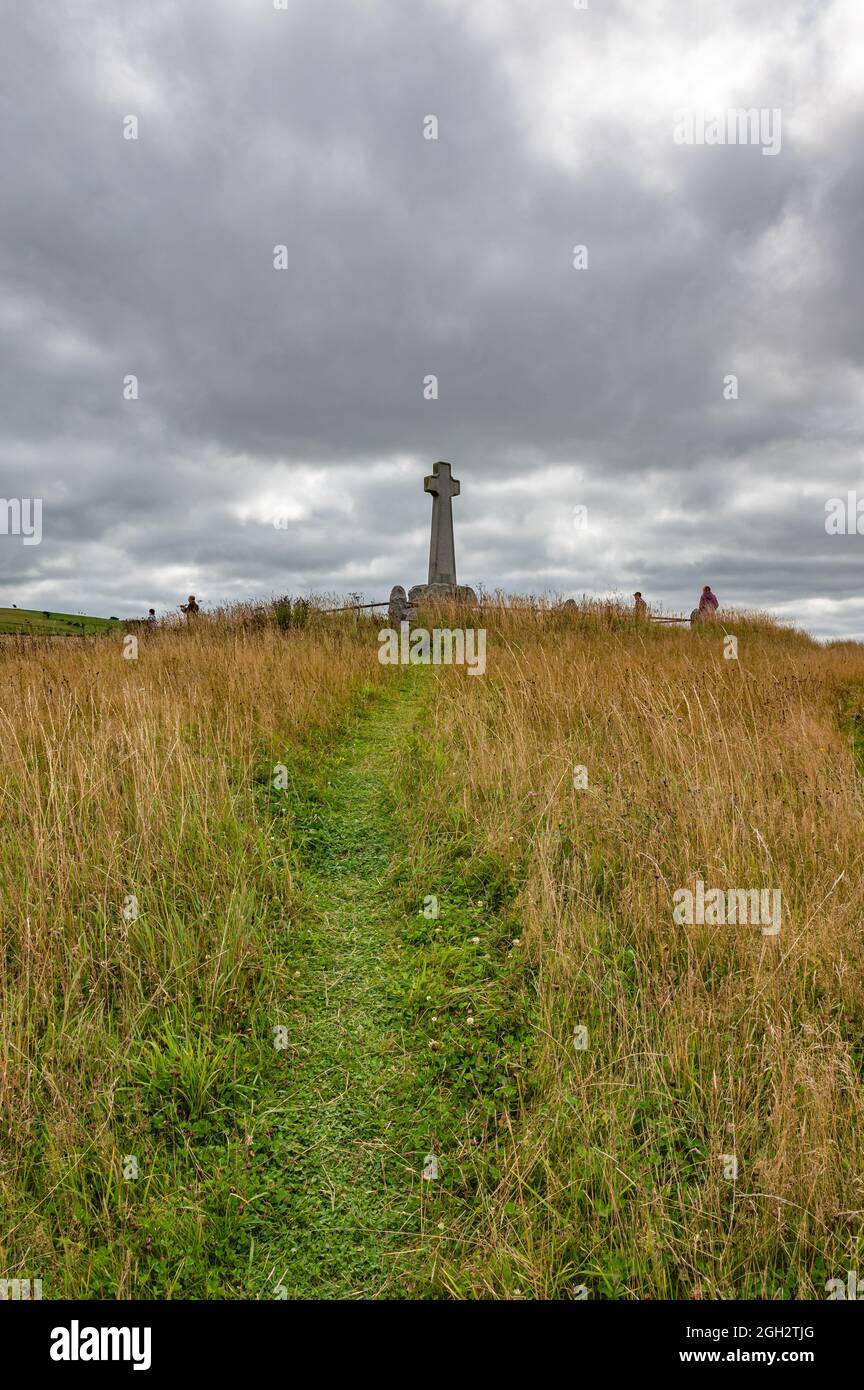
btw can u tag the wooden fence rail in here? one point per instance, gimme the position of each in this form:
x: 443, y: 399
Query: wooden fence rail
x: 508, y: 607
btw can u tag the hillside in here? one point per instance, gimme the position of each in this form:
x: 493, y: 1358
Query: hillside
x: 38, y: 623
x: 285, y: 929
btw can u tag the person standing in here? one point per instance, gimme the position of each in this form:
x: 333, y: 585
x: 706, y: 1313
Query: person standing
x: 191, y: 608
x: 640, y: 607
x: 708, y: 603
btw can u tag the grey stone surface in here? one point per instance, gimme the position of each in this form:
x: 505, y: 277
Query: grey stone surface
x: 444, y: 593
x: 441, y: 586
x: 398, y: 609
x: 442, y: 552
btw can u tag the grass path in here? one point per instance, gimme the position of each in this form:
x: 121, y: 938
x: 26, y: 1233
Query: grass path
x: 345, y: 1181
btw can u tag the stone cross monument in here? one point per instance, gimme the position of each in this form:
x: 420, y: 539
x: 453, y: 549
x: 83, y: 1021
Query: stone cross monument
x: 442, y: 552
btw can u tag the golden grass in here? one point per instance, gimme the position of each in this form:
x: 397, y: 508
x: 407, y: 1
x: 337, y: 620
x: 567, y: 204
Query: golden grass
x: 145, y: 778
x: 122, y: 778
x: 702, y: 1041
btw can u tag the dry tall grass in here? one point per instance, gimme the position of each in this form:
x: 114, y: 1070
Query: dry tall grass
x: 702, y: 1041
x: 137, y: 778
x: 126, y: 1034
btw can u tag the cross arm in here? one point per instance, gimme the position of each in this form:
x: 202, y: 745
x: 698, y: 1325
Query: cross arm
x: 433, y: 484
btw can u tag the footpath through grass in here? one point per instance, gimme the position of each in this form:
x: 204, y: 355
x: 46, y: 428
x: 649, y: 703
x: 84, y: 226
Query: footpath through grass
x: 231, y: 1092
x: 384, y: 1060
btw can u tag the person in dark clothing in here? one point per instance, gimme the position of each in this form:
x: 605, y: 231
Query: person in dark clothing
x: 191, y: 608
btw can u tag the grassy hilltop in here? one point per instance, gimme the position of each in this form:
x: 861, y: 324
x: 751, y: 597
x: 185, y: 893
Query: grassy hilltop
x: 281, y: 926
x: 36, y: 622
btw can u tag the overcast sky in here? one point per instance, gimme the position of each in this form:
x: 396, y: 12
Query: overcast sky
x: 297, y: 395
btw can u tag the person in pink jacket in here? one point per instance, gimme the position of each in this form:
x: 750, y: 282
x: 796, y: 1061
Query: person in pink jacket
x: 708, y: 604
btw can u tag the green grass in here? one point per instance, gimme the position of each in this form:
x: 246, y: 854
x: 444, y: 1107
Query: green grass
x: 35, y: 622
x: 295, y: 1170
x: 402, y: 1039
x: 851, y: 712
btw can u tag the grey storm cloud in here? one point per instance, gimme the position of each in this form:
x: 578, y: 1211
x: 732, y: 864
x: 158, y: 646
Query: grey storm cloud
x: 297, y: 395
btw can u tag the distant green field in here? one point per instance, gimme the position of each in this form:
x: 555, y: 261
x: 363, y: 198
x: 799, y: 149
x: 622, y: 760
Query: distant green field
x: 44, y: 624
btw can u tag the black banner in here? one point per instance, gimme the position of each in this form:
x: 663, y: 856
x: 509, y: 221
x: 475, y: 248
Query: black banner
x: 83, y: 1339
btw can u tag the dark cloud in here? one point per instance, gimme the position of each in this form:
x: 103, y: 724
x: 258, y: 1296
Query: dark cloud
x: 299, y: 393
